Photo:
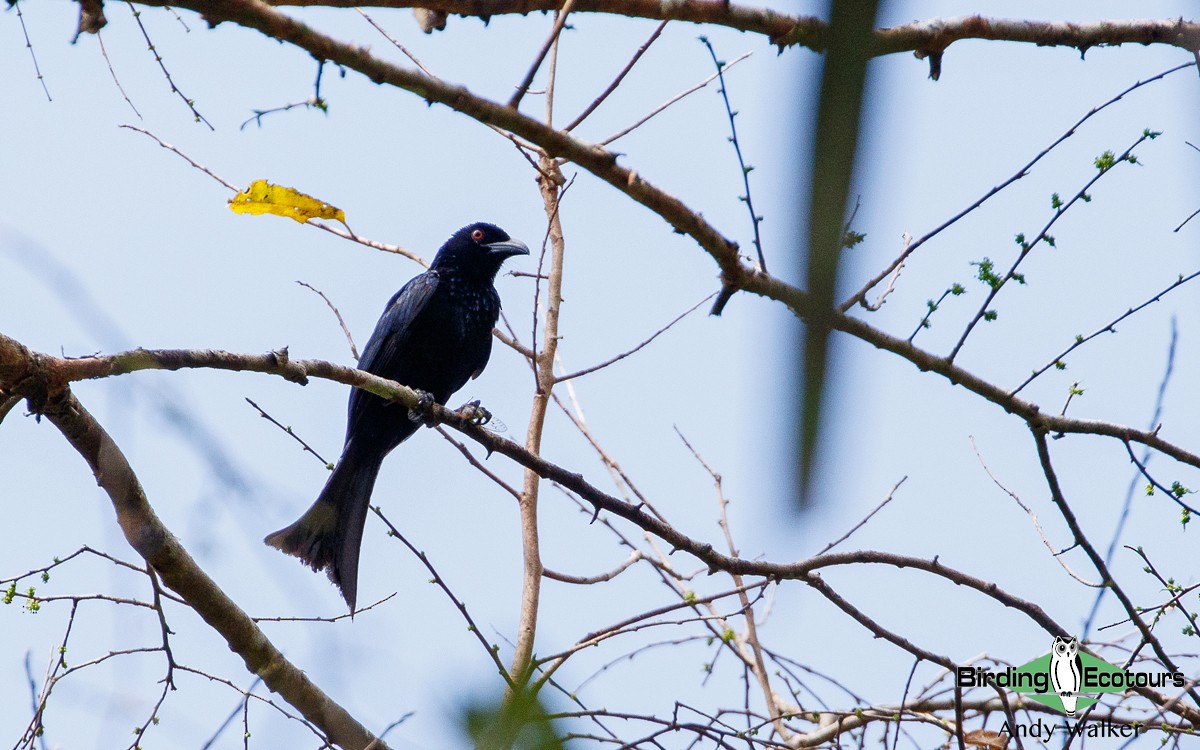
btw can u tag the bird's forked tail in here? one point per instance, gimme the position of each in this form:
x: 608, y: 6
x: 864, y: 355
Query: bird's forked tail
x: 329, y: 534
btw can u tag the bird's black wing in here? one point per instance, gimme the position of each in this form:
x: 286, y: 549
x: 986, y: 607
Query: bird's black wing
x: 391, y: 334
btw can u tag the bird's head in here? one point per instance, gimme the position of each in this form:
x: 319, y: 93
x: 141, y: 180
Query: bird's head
x: 478, y: 250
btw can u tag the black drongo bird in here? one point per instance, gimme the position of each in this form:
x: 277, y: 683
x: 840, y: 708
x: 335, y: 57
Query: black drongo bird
x: 434, y: 335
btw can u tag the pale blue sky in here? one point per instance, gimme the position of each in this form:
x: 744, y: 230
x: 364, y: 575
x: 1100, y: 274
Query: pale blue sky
x: 108, y: 241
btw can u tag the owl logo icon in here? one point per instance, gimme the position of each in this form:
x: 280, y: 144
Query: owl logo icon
x: 1066, y: 672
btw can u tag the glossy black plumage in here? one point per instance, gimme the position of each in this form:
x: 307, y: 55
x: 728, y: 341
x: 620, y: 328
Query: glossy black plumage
x: 435, y: 334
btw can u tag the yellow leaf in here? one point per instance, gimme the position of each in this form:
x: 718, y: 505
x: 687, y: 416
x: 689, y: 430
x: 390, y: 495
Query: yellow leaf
x: 264, y: 198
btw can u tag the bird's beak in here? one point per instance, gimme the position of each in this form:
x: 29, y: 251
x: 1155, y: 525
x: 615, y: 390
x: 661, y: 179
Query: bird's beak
x: 507, y: 248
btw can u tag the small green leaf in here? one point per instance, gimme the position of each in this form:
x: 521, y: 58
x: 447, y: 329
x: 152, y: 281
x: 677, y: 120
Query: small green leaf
x: 1105, y: 161
x: 987, y: 273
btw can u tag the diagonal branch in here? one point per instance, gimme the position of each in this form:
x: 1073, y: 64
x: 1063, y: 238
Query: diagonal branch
x: 1056, y: 494
x: 163, y: 551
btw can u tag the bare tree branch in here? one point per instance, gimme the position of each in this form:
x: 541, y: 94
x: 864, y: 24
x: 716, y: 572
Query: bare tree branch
x: 163, y: 551
x: 809, y: 31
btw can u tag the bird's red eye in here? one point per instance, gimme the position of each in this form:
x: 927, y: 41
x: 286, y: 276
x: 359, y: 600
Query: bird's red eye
x: 477, y: 235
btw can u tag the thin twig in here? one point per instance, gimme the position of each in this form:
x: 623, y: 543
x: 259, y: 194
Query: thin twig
x: 462, y: 448
x: 345, y: 234
x: 903, y: 698
x: 29, y: 45
x: 932, y: 307
x: 1169, y: 492
x: 658, y: 30
x: 33, y: 694
x: 860, y: 296
x: 754, y: 660
x: 1057, y: 555
x: 246, y: 693
x: 338, y: 315
x: 342, y: 232
x: 316, y: 101
x: 681, y: 95
x: 755, y: 219
x: 866, y: 518
x: 1169, y: 586
x: 163, y: 627
x: 137, y: 16
x: 1072, y: 392
x: 1068, y: 515
x: 523, y: 147
x: 185, y: 157
x: 1195, y: 213
x: 599, y: 578
x: 397, y: 44
x: 310, y: 103
x: 52, y: 678
x: 336, y: 618
x: 892, y: 281
x: 186, y: 29
x: 560, y: 20
x: 403, y: 718
x: 1127, y: 504
x: 637, y: 348
x: 1191, y: 216
x: 290, y: 432
x: 113, y: 73
x: 619, y: 627
x: 1108, y: 328
x: 441, y: 583
x: 1027, y: 247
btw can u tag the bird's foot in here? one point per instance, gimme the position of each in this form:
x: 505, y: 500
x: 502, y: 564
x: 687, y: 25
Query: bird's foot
x: 425, y: 402
x: 474, y: 412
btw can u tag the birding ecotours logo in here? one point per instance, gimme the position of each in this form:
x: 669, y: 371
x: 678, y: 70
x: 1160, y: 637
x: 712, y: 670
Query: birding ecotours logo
x: 1066, y: 679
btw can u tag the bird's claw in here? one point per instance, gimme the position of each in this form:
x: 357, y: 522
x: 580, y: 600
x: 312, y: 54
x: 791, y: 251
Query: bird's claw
x: 420, y: 413
x: 475, y: 413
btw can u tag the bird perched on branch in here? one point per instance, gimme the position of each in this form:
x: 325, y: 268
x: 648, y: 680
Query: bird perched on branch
x: 434, y: 335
